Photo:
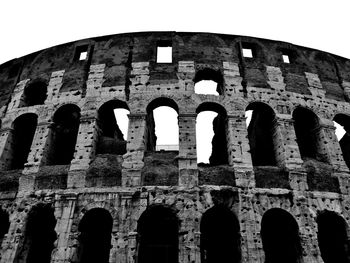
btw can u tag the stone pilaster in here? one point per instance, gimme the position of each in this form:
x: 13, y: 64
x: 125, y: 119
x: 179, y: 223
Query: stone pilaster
x: 55, y: 84
x: 17, y: 95
x: 5, y: 147
x: 95, y: 80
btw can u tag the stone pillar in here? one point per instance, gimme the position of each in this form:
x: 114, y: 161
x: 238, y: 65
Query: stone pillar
x: 55, y: 85
x: 185, y: 74
x: 315, y: 85
x: 188, y: 173
x: 95, y: 80
x: 275, y: 78
x: 85, y: 149
x: 133, y: 159
x: 232, y: 78
x: 239, y: 150
x: 64, y: 213
x: 17, y: 93
x: 5, y: 147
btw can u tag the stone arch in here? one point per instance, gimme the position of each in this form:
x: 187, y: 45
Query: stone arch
x: 333, y: 238
x: 344, y: 121
x: 262, y: 134
x: 151, y: 138
x: 63, y: 135
x: 308, y: 132
x: 209, y: 39
x: 219, y: 154
x: 95, y: 236
x: 34, y: 93
x: 39, y: 237
x: 111, y: 138
x: 280, y: 237
x: 208, y: 74
x: 157, y: 229
x: 220, y: 236
x: 20, y: 140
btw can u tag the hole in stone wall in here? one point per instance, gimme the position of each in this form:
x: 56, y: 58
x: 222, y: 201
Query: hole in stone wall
x: 63, y: 137
x: 4, y: 224
x: 164, y: 52
x: 95, y: 236
x: 260, y: 134
x: 285, y: 58
x: 40, y: 235
x: 209, y: 82
x: 81, y: 53
x: 342, y: 124
x: 211, y: 134
x: 34, y: 94
x: 158, y: 236
x: 162, y: 125
x: 332, y: 238
x: 247, y: 52
x: 21, y: 140
x: 280, y: 237
x: 307, y: 130
x: 220, y: 236
x: 113, y: 125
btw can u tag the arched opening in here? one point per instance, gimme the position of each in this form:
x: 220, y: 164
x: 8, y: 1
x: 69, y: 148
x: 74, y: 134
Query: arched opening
x: 158, y: 236
x: 209, y: 82
x: 40, y: 235
x: 261, y: 131
x: 342, y: 124
x: 64, y: 131
x: 220, y: 236
x: 211, y: 126
x: 95, y: 236
x: 4, y: 224
x: 332, y: 238
x: 280, y: 237
x: 34, y: 94
x: 113, y: 127
x: 162, y: 125
x: 307, y: 130
x: 21, y: 140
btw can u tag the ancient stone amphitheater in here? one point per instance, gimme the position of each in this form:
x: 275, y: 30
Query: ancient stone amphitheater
x: 72, y: 189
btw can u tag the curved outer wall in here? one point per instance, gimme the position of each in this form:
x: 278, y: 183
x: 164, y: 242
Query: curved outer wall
x: 124, y: 67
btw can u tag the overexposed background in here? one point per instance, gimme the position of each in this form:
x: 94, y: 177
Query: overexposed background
x: 29, y: 26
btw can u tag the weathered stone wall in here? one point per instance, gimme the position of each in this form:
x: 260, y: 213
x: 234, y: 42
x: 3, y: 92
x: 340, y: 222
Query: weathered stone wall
x: 123, y: 67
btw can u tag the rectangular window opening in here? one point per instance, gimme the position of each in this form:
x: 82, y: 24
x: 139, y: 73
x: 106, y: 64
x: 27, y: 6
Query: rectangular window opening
x: 285, y: 58
x: 81, y: 53
x: 247, y: 52
x: 164, y: 52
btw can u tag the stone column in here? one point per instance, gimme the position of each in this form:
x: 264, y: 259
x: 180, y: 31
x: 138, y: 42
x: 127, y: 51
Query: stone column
x: 239, y: 150
x: 55, y: 85
x: 5, y: 147
x: 133, y: 159
x: 17, y: 93
x: 85, y: 149
x: 188, y: 173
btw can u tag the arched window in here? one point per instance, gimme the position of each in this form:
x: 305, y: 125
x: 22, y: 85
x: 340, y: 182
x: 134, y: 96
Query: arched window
x: 220, y: 236
x: 333, y: 238
x: 40, y: 235
x: 261, y: 130
x: 4, y: 224
x: 280, y: 237
x: 209, y: 82
x: 21, y: 140
x: 307, y: 130
x: 342, y: 123
x: 34, y: 94
x: 158, y: 236
x: 95, y: 236
x: 113, y: 127
x: 64, y: 133
x: 211, y: 126
x: 162, y: 125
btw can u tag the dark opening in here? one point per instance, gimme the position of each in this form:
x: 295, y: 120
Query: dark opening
x: 219, y: 154
x: 260, y: 134
x: 220, y: 236
x: 332, y: 238
x: 162, y: 130
x: 248, y: 50
x: 158, y: 236
x: 4, y: 224
x: 307, y: 130
x: 40, y: 235
x: 64, y: 135
x: 111, y: 137
x: 95, y: 236
x: 344, y: 121
x: 81, y: 52
x: 23, y: 132
x: 34, y: 94
x: 280, y: 237
x: 205, y: 75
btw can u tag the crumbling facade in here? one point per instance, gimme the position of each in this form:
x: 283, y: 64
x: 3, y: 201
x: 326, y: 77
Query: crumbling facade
x: 72, y: 189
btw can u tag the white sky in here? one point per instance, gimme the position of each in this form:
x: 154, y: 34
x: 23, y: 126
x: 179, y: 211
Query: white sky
x: 27, y: 26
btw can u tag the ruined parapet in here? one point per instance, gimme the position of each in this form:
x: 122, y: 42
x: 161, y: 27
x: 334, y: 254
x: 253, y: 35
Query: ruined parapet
x: 64, y: 159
